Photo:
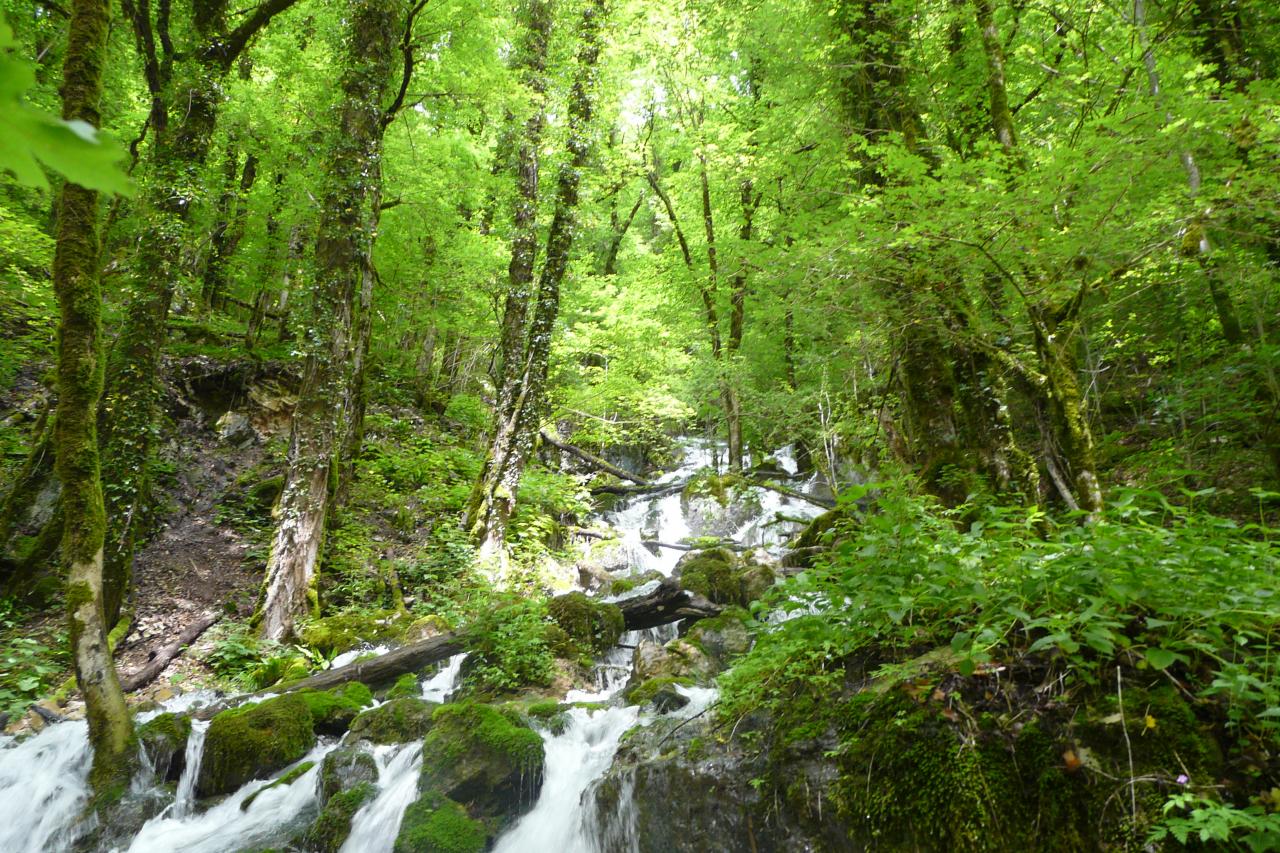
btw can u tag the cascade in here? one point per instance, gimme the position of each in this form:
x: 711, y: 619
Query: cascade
x: 374, y: 827
x: 43, y: 786
x: 186, y: 797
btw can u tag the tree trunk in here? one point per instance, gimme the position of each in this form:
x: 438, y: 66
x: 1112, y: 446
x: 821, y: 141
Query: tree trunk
x: 518, y: 415
x: 343, y: 249
x: 183, y: 118
x: 80, y: 380
x: 229, y: 230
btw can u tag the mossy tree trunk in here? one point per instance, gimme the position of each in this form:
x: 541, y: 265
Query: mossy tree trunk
x: 343, y: 250
x: 80, y: 379
x: 516, y: 432
x: 493, y: 497
x: 186, y: 92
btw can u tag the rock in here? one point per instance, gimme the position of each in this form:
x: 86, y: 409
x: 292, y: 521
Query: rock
x: 723, y: 638
x: 348, y: 780
x: 406, y: 686
x: 395, y: 721
x: 235, y: 428
x: 674, y: 785
x: 717, y: 574
x: 593, y: 625
x: 164, y: 742
x: 485, y: 759
x: 252, y: 741
x: 330, y: 830
x: 717, y: 506
x: 332, y: 711
x: 667, y: 699
x: 436, y: 824
x: 344, y: 768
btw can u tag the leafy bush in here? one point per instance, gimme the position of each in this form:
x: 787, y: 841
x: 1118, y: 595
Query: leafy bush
x: 509, y: 647
x: 29, y: 665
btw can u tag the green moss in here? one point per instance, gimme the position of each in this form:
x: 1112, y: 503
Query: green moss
x: 405, y: 686
x: 436, y: 824
x: 287, y: 779
x: 343, y: 631
x: 482, y: 756
x: 330, y: 830
x: 254, y: 740
x: 164, y: 738
x: 345, y: 767
x: 395, y: 721
x: 264, y: 494
x: 621, y: 585
x: 593, y: 624
x: 539, y: 710
x: 332, y: 711
x: 711, y: 574
x: 643, y: 693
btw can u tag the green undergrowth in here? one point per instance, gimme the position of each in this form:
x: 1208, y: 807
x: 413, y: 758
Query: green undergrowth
x: 1016, y: 622
x: 31, y: 662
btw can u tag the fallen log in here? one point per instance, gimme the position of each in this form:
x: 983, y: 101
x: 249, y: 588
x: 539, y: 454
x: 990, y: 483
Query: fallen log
x: 162, y: 657
x: 593, y: 460
x: 660, y: 603
x: 825, y: 503
x: 655, y: 489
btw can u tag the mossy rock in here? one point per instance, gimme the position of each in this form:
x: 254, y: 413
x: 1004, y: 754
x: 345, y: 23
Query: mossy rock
x: 341, y: 632
x: 253, y: 741
x: 646, y: 692
x: 329, y: 831
x: 712, y: 574
x: 754, y: 580
x: 332, y: 711
x: 395, y: 721
x: 405, y: 686
x: 344, y: 768
x: 436, y: 824
x: 594, y: 625
x: 487, y: 759
x: 724, y: 638
x: 263, y: 494
x: 164, y: 741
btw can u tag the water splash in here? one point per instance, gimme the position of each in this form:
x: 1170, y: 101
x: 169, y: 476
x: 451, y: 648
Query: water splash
x: 443, y: 683
x: 376, y: 825
x: 273, y: 813
x: 185, y: 800
x: 43, y: 787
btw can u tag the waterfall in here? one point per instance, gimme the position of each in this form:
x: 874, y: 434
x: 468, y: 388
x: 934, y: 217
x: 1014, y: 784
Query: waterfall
x: 227, y: 826
x: 43, y: 786
x: 375, y: 827
x: 439, y: 686
x: 186, y: 797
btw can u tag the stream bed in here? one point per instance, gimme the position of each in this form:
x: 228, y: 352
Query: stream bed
x: 43, y: 778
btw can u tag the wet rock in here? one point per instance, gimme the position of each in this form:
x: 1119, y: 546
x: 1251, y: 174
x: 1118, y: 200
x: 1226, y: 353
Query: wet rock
x: 486, y: 759
x: 718, y: 506
x: 253, y: 741
x: 436, y: 824
x: 720, y: 576
x: 723, y: 638
x: 395, y: 721
x: 594, y: 625
x: 330, y: 830
x: 332, y: 711
x: 164, y: 742
x: 344, y: 768
x: 235, y: 428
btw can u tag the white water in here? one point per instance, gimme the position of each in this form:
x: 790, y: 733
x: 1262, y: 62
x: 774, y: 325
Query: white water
x: 194, y: 756
x: 443, y: 683
x: 228, y: 827
x: 43, y: 786
x: 375, y: 827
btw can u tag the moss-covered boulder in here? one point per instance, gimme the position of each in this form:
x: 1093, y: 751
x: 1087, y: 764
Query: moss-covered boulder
x: 594, y: 625
x: 717, y: 505
x: 329, y: 831
x: 332, y: 711
x: 487, y: 759
x: 436, y: 824
x: 344, y: 768
x: 723, y: 638
x: 252, y: 741
x: 717, y: 574
x: 395, y: 721
x: 164, y: 742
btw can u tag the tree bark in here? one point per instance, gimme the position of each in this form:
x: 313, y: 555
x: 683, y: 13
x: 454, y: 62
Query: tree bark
x: 183, y: 117
x: 80, y: 381
x: 343, y: 248
x: 518, y: 425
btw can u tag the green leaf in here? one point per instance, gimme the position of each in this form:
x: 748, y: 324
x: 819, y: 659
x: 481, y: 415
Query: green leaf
x: 1160, y: 658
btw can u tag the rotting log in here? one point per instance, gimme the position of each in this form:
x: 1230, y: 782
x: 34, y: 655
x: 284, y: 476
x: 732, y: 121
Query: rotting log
x: 648, y: 606
x: 164, y: 656
x: 654, y: 489
x: 593, y: 460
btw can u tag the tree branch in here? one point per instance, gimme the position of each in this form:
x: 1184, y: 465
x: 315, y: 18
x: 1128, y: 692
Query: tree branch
x: 226, y: 51
x: 406, y: 48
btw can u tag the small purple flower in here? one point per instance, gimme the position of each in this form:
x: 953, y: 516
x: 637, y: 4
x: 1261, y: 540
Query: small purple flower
x: 1182, y: 779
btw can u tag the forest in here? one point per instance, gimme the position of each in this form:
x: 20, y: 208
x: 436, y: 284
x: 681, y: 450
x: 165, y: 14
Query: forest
x: 594, y: 426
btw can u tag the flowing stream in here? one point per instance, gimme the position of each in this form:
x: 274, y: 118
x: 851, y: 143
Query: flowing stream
x: 43, y: 779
